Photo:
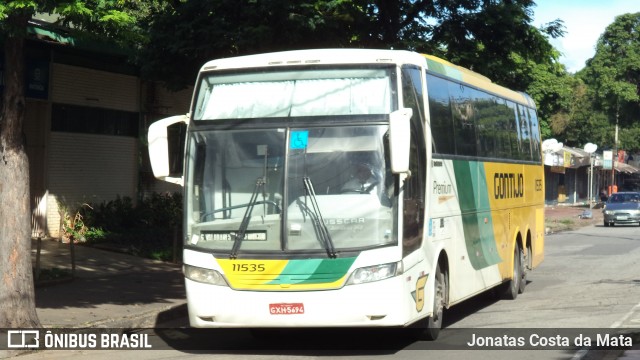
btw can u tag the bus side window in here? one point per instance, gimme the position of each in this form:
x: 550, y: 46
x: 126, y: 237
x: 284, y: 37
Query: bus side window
x: 464, y: 119
x: 535, y: 135
x: 440, y: 115
x: 524, y: 133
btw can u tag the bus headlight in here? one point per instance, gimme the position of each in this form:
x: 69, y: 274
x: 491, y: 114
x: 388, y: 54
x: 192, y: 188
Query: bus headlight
x: 206, y: 276
x: 375, y: 273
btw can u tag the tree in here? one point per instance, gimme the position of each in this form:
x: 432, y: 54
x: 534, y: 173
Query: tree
x: 190, y: 33
x: 494, y: 37
x: 551, y: 87
x: 613, y: 75
x: 577, y: 122
x: 17, y: 302
x: 485, y: 36
x: 101, y: 17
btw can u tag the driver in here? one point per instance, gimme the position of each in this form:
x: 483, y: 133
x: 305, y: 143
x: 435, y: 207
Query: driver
x: 362, y: 180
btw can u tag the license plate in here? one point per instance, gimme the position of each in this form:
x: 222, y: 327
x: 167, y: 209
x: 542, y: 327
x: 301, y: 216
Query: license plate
x: 286, y: 308
x: 619, y: 217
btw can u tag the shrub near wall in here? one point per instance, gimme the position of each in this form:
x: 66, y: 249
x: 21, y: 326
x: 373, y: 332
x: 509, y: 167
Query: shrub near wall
x: 147, y: 230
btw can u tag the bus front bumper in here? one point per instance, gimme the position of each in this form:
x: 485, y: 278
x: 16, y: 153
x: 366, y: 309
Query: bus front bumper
x: 375, y: 304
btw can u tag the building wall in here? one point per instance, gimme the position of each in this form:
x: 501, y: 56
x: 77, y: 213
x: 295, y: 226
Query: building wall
x: 572, y: 187
x: 35, y: 132
x: 81, y: 86
x: 71, y: 167
x: 89, y: 168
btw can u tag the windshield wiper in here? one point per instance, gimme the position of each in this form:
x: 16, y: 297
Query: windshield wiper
x: 318, y: 222
x: 239, y: 236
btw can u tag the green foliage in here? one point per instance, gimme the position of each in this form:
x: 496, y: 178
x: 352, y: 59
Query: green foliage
x: 629, y: 137
x: 465, y: 32
x: 613, y: 71
x: 86, y: 20
x: 94, y: 235
x: 114, y: 216
x: 96, y: 20
x: 9, y: 7
x: 613, y: 75
x: 494, y: 38
x: 164, y: 254
x: 550, y: 87
x: 148, y: 229
x: 191, y: 32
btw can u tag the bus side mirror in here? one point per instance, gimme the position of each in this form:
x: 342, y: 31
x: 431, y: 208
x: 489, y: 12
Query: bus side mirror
x: 159, y: 148
x: 400, y: 139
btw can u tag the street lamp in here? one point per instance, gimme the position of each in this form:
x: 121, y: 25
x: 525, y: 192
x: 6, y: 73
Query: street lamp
x: 590, y: 149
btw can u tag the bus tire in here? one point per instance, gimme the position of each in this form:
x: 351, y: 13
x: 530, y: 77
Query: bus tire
x: 512, y: 287
x: 434, y: 322
x: 526, y: 262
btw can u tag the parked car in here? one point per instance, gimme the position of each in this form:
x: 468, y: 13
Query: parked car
x: 622, y: 208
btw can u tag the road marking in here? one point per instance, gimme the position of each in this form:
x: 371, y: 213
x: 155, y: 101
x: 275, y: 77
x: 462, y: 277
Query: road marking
x: 626, y: 317
x: 580, y: 354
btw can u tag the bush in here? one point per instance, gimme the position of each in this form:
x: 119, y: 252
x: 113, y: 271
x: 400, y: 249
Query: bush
x: 115, y: 215
x: 96, y: 235
x: 146, y: 230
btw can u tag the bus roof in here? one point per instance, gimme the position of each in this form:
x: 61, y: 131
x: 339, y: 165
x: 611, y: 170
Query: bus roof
x: 316, y: 56
x: 365, y: 56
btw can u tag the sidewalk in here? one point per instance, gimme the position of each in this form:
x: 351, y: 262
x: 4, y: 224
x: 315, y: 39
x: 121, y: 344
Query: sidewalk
x: 568, y: 217
x: 109, y: 289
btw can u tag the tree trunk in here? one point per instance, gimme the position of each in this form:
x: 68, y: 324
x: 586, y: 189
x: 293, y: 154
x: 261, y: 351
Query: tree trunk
x: 17, y: 296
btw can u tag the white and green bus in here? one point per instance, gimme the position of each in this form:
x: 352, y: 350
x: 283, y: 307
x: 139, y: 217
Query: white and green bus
x: 352, y: 188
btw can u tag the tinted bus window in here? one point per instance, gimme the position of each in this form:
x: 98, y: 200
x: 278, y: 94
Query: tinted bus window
x: 524, y: 133
x: 535, y: 138
x: 440, y: 111
x: 464, y: 126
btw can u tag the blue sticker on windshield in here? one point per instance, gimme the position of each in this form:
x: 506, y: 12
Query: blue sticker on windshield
x: 299, y: 139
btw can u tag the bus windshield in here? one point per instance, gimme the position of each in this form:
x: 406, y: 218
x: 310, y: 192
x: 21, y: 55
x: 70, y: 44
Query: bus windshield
x: 290, y: 189
x: 294, y: 93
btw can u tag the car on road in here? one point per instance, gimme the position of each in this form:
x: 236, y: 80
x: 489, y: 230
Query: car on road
x: 622, y: 208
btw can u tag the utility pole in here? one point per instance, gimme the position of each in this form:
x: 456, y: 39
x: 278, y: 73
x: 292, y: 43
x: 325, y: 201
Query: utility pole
x: 590, y: 148
x: 615, y: 154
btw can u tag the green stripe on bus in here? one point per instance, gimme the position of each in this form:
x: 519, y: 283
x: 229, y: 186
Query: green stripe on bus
x: 444, y: 69
x: 314, y: 271
x: 475, y: 210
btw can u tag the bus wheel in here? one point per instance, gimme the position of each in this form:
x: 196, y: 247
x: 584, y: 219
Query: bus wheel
x: 513, y: 285
x: 434, y: 322
x: 526, y: 262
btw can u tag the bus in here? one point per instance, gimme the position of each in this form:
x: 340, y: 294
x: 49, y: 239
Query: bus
x: 352, y: 188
